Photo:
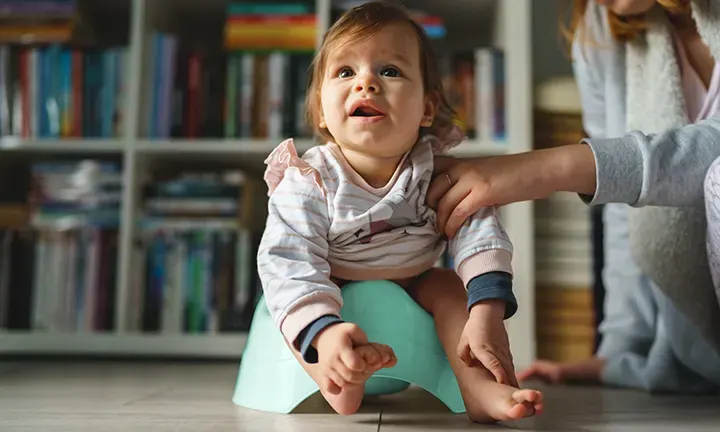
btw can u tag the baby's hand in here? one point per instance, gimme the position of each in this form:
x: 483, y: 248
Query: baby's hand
x: 338, y: 360
x: 484, y: 340
x: 377, y: 356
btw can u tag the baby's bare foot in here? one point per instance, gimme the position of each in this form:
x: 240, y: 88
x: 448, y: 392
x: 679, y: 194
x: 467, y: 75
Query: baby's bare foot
x: 348, y: 401
x: 499, y: 402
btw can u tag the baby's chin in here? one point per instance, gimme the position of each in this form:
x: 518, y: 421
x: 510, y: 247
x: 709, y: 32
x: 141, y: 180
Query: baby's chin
x: 374, y: 148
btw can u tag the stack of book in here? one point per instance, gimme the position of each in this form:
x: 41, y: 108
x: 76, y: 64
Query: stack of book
x: 195, y: 261
x: 254, y: 88
x: 270, y: 27
x: 58, y: 92
x: 563, y: 243
x: 62, y: 256
x: 474, y: 83
x: 37, y: 21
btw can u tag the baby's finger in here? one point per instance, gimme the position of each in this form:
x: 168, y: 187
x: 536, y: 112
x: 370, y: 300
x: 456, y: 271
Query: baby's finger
x: 354, y: 377
x: 331, y: 387
x: 491, y: 363
x: 388, y: 355
x: 335, y: 382
x: 464, y: 353
x: 510, y: 370
x: 352, y: 360
x: 369, y: 353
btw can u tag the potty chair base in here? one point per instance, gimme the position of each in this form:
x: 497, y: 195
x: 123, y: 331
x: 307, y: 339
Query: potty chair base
x: 271, y: 379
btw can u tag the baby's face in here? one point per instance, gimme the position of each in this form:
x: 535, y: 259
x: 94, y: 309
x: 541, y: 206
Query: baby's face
x: 372, y: 93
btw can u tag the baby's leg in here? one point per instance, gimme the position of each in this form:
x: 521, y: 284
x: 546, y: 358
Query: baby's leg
x: 443, y: 295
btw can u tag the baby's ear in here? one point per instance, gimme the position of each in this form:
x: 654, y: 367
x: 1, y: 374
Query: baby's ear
x: 431, y: 102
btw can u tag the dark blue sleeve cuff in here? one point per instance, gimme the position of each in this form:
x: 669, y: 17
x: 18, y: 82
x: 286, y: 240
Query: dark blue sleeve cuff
x: 493, y: 286
x: 304, y: 340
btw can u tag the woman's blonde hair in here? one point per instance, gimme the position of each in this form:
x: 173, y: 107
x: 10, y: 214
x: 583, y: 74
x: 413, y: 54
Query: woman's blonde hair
x: 623, y: 28
x: 358, y: 24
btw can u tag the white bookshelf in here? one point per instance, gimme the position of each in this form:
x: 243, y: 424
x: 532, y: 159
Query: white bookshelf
x: 509, y: 22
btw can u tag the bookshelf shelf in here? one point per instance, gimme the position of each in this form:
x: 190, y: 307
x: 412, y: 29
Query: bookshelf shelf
x: 220, y: 146
x: 71, y: 146
x: 504, y: 24
x: 208, y: 346
x: 262, y: 147
x: 473, y: 148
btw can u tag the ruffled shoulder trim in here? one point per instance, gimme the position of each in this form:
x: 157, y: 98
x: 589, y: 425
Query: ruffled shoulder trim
x: 440, y: 145
x: 285, y: 156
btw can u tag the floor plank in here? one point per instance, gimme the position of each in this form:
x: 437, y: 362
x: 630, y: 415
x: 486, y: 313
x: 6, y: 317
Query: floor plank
x: 115, y: 396
x: 584, y: 409
x: 154, y: 396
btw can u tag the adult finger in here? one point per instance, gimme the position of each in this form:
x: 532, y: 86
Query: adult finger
x: 438, y: 188
x: 442, y: 164
x: 461, y: 211
x: 448, y: 203
x: 528, y: 373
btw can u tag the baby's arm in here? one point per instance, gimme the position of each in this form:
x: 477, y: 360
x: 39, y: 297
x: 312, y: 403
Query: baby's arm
x: 292, y: 260
x: 301, y: 298
x: 482, y: 254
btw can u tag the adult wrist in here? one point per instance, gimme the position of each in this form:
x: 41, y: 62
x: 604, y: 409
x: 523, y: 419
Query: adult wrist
x: 573, y: 169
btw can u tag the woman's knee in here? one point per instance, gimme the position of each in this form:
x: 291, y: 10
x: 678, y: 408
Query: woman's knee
x: 712, y: 183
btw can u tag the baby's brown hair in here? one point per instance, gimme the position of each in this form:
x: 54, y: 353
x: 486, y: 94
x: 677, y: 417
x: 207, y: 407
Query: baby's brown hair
x: 361, y: 23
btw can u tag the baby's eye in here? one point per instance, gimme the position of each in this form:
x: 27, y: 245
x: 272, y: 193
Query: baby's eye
x: 345, y: 73
x: 390, y: 71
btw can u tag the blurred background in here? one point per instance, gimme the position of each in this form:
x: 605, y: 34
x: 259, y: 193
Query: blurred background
x: 132, y: 140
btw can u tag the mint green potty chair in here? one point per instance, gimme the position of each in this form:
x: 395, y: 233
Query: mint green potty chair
x: 270, y: 378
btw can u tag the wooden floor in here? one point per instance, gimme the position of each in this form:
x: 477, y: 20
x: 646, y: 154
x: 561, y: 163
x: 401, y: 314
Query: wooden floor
x: 134, y: 396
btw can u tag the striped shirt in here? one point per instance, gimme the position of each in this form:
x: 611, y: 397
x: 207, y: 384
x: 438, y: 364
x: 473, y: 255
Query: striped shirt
x: 324, y: 221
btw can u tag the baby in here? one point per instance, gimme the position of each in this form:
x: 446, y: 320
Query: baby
x: 354, y: 209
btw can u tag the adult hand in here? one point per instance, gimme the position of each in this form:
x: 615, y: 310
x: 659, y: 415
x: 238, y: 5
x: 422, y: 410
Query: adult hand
x: 463, y: 186
x: 587, y: 370
x: 549, y: 372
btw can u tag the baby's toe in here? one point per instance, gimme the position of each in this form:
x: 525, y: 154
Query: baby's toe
x: 519, y: 411
x: 527, y: 395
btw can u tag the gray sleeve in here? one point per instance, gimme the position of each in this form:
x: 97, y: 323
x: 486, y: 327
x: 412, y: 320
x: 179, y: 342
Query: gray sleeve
x: 666, y: 169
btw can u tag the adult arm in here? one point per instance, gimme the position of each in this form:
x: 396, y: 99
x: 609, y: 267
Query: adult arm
x: 666, y: 169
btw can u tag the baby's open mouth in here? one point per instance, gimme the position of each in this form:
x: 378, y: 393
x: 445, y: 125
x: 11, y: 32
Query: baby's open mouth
x: 366, y: 112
